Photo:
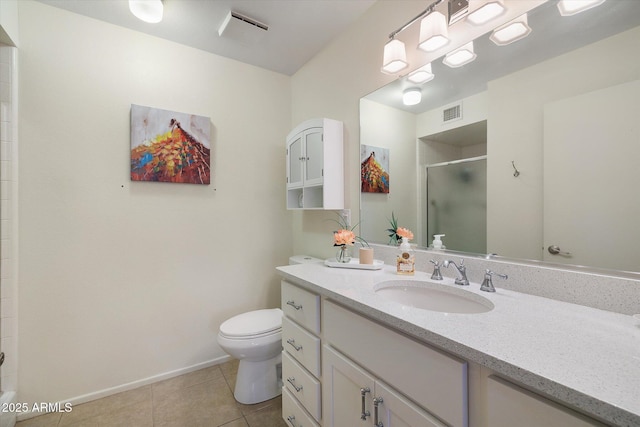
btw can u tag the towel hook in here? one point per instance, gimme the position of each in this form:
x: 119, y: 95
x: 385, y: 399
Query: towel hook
x: 517, y: 172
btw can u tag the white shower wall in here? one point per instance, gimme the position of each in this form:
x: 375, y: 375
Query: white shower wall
x: 8, y: 176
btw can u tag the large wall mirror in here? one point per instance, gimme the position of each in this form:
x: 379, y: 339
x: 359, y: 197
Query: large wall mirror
x: 532, y: 151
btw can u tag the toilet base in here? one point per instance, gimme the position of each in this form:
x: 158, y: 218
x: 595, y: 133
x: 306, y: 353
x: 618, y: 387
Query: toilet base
x: 258, y: 381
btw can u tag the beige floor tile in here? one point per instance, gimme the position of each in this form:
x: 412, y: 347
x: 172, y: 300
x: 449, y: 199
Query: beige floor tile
x: 248, y: 409
x: 135, y: 415
x: 241, y: 422
x: 230, y: 371
x: 170, y: 386
x: 269, y: 416
x: 106, y: 405
x: 205, y: 404
x: 47, y: 420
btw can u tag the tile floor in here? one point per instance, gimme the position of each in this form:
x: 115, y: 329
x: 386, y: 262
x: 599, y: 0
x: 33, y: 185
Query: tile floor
x: 199, y: 398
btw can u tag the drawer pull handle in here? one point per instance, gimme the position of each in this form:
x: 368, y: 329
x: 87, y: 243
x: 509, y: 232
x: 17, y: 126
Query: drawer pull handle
x: 292, y: 343
x: 294, y: 305
x: 291, y: 381
x: 376, y: 402
x: 364, y: 414
x: 291, y: 419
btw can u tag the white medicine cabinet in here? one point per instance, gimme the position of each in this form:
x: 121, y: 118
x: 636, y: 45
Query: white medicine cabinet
x: 315, y: 167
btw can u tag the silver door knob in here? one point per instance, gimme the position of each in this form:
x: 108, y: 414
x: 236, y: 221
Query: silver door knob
x: 555, y: 250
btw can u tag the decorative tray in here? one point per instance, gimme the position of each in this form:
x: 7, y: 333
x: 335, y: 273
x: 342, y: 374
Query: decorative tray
x: 354, y: 263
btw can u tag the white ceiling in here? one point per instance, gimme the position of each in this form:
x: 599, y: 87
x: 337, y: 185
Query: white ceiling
x: 298, y: 29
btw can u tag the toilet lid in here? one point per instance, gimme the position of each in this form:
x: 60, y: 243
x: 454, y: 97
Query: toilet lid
x: 252, y: 323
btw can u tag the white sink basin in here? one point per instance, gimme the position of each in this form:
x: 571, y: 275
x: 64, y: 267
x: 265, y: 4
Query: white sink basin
x: 433, y: 296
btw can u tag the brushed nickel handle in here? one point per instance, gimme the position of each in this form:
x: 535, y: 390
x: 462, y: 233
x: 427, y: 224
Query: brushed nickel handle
x: 291, y: 419
x: 364, y: 413
x: 376, y: 403
x: 291, y: 381
x: 292, y: 343
x: 294, y: 305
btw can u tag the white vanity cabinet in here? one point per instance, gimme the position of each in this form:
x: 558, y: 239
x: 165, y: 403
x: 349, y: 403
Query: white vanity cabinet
x: 315, y: 167
x: 425, y: 384
x: 352, y: 393
x: 510, y: 405
x: 302, y: 391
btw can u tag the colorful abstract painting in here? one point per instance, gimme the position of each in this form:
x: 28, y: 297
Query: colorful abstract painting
x: 167, y: 146
x: 374, y: 169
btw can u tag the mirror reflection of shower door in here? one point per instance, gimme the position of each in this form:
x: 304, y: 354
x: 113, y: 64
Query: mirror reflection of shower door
x: 457, y: 204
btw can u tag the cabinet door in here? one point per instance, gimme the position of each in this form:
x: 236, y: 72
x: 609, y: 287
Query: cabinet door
x: 344, y: 385
x: 294, y: 162
x: 394, y: 410
x: 314, y: 156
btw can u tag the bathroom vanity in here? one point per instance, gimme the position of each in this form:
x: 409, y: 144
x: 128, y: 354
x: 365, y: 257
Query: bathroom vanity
x: 356, y: 356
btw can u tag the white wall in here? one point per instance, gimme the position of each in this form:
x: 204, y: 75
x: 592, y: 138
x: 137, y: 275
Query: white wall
x: 514, y: 206
x: 122, y: 281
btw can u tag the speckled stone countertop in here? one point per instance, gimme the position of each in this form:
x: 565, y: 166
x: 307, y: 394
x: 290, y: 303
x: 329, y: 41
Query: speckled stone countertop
x: 585, y: 357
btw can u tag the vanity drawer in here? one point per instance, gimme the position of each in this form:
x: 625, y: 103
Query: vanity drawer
x: 293, y: 414
x: 302, y: 385
x: 431, y: 378
x: 301, y: 345
x: 301, y: 306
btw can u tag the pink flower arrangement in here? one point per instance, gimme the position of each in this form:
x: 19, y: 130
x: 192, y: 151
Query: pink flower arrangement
x: 343, y: 237
x: 404, y: 232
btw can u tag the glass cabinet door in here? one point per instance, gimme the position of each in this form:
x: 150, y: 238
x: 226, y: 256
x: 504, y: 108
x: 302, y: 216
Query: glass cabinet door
x: 314, y: 156
x: 295, y: 163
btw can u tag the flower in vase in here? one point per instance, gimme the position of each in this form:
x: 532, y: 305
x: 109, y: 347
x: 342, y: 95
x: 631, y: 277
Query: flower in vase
x: 404, y: 232
x: 343, y: 237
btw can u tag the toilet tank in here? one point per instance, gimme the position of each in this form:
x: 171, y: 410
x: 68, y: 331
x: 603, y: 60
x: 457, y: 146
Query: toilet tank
x: 302, y: 259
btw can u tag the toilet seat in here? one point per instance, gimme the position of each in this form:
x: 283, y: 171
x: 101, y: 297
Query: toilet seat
x: 253, y: 324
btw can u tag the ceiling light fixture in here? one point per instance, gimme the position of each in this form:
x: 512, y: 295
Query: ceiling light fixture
x: 412, y: 96
x: 434, y: 32
x: 482, y: 11
x: 511, y: 31
x: 147, y: 10
x: 461, y: 56
x: 571, y: 7
x: 395, y: 57
x: 421, y: 75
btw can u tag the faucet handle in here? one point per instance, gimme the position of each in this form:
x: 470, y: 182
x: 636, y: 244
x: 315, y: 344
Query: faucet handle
x: 487, y: 283
x: 436, y: 275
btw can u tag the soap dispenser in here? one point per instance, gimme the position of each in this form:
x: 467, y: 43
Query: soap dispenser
x: 406, y: 262
x: 437, y: 242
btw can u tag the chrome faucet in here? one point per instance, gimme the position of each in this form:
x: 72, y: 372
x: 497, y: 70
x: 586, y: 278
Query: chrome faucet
x: 436, y: 270
x: 462, y: 272
x: 487, y: 283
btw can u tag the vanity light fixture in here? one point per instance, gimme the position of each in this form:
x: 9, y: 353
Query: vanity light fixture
x: 512, y: 31
x: 421, y: 75
x: 147, y: 10
x: 412, y: 96
x: 461, y: 56
x: 482, y: 11
x: 571, y: 7
x: 395, y: 57
x: 434, y: 32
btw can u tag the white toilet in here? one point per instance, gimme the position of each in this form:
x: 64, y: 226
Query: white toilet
x: 255, y: 338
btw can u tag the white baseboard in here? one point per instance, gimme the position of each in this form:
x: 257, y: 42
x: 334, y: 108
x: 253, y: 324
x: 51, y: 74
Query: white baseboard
x: 130, y: 386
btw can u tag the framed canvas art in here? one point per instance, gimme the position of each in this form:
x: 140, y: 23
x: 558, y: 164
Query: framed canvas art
x: 374, y: 169
x: 167, y: 146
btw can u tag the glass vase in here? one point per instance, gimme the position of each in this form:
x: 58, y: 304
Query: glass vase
x: 344, y: 254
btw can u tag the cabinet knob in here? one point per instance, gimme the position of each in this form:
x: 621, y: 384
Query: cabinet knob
x: 376, y: 403
x: 291, y: 380
x: 292, y: 343
x: 294, y: 305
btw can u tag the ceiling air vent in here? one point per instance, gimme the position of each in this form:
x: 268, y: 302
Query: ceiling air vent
x: 242, y: 28
x: 452, y: 113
